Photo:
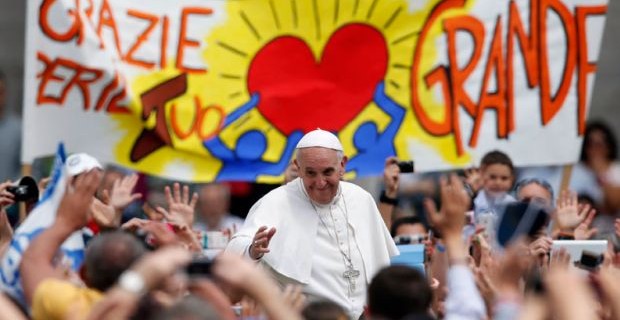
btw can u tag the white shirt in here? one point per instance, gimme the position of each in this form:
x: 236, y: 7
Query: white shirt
x: 464, y: 300
x: 302, y: 251
x: 331, y: 261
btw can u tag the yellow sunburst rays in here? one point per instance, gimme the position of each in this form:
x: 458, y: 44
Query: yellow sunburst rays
x: 251, y: 24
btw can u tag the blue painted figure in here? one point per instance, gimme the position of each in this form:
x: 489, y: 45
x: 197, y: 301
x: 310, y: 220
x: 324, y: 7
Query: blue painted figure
x: 244, y: 162
x: 374, y: 147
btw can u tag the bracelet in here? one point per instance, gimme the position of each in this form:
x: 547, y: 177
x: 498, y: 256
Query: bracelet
x: 566, y: 236
x: 387, y: 200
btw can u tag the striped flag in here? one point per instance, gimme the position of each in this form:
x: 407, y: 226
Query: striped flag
x: 40, y: 218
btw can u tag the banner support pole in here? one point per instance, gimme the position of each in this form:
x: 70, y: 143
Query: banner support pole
x: 567, y: 171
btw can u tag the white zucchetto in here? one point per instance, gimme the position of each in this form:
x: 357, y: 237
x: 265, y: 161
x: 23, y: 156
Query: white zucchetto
x: 320, y: 138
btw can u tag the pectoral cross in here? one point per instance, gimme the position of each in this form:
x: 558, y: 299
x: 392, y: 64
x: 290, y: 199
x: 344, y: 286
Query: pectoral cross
x: 351, y: 274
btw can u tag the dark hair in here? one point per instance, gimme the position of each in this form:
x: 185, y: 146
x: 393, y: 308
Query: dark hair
x: 608, y: 135
x: 397, y: 291
x: 402, y: 221
x: 497, y: 157
x: 323, y: 310
x: 108, y: 255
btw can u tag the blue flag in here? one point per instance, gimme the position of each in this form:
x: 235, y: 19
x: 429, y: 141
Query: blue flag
x: 40, y: 218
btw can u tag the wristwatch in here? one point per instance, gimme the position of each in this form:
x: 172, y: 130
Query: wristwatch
x: 132, y: 282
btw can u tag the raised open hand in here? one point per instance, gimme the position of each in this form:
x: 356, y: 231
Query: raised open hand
x: 121, y: 195
x: 180, y: 206
x: 568, y: 214
x: 104, y: 214
x: 454, y: 203
x: 260, y: 243
x: 584, y: 231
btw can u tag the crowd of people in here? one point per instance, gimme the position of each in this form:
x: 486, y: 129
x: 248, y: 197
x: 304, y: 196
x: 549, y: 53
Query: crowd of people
x: 318, y: 247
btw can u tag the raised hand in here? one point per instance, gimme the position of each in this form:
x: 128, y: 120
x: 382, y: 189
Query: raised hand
x: 260, y: 243
x: 104, y: 214
x: 121, y: 195
x: 180, y: 206
x: 583, y: 231
x: 390, y: 177
x: 540, y: 247
x: 294, y: 297
x: 473, y: 179
x: 75, y: 204
x: 454, y: 203
x: 6, y: 198
x: 568, y: 214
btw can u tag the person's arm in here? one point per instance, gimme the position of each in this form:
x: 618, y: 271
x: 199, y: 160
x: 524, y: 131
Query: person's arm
x: 6, y: 232
x: 36, y: 264
x: 464, y: 300
x: 388, y: 199
x: 569, y: 295
x: 9, y: 309
x: 253, y: 281
x: 610, y: 288
x: 144, y: 275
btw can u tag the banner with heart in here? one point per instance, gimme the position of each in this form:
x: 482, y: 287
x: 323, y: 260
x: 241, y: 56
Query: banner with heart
x: 209, y: 90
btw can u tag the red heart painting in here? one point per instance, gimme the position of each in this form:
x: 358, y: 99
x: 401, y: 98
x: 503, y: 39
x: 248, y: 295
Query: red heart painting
x: 299, y: 93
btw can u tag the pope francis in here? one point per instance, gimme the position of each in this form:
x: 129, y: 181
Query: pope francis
x: 319, y: 231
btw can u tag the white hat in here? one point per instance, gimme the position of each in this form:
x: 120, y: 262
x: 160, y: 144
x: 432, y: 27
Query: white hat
x: 80, y: 163
x: 320, y: 138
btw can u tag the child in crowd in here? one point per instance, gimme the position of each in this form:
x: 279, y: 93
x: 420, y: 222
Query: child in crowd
x: 498, y: 175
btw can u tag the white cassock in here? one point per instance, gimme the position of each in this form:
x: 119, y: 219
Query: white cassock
x: 313, y: 243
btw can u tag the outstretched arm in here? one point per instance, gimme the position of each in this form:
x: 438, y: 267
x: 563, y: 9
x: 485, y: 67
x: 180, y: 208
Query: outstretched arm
x: 393, y: 109
x: 233, y: 116
x: 215, y: 145
x: 36, y: 264
x: 218, y: 149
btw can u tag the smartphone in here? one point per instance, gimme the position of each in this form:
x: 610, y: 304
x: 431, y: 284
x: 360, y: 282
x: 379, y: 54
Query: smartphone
x: 518, y: 219
x: 199, y: 267
x: 406, y: 166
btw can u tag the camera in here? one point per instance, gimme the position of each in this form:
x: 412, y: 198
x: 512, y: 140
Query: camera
x: 25, y: 191
x: 406, y: 166
x: 199, y: 267
x: 589, y: 260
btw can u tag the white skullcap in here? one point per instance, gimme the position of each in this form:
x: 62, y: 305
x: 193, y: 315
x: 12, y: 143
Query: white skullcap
x: 80, y: 163
x: 320, y: 138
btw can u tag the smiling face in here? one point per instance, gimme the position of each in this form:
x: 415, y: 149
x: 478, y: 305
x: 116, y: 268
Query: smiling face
x: 320, y: 170
x: 497, y: 178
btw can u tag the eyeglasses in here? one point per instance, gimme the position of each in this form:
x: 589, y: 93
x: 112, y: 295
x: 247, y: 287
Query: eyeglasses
x: 410, y: 238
